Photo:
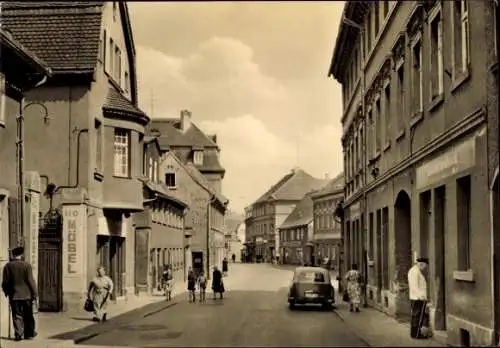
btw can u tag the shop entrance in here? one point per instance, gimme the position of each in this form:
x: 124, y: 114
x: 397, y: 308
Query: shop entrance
x: 111, y: 255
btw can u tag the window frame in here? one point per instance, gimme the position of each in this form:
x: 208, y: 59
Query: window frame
x: 464, y: 39
x: 99, y: 158
x: 417, y: 40
x: 167, y: 183
x: 386, y: 106
x: 436, y: 14
x: 198, y: 157
x: 464, y: 227
x: 111, y: 67
x: 125, y: 171
x: 117, y: 74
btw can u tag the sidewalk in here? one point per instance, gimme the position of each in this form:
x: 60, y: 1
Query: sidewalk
x: 380, y: 330
x: 49, y: 325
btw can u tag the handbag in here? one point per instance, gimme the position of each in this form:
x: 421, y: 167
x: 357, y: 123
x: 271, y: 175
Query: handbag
x: 345, y: 297
x: 89, y: 305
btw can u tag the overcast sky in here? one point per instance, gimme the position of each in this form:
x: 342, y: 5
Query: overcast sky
x: 253, y: 73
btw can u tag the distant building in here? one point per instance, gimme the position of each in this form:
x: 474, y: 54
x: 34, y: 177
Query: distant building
x: 420, y: 139
x: 234, y: 241
x: 272, y: 208
x: 20, y: 71
x: 296, y: 234
x: 327, y: 230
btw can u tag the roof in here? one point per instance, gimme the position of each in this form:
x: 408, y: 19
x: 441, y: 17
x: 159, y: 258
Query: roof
x: 336, y: 185
x: 38, y: 65
x: 65, y: 34
x: 171, y: 195
x: 198, y: 177
x: 116, y: 103
x: 301, y: 215
x: 354, y: 11
x: 292, y: 187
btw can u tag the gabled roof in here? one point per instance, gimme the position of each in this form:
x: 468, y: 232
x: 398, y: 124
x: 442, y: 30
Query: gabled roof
x: 292, y: 187
x: 336, y: 185
x: 116, y: 103
x: 196, y: 175
x: 301, y: 215
x: 175, y: 196
x: 171, y: 134
x: 65, y: 34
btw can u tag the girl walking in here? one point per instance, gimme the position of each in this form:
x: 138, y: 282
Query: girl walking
x: 352, y: 279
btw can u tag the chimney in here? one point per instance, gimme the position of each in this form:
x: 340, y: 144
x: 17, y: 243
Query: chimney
x: 327, y: 176
x: 185, y: 120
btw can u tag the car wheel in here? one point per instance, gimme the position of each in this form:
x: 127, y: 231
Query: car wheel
x: 327, y: 306
x: 291, y: 305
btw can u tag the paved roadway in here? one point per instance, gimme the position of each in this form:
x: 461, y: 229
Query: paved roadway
x: 254, y: 312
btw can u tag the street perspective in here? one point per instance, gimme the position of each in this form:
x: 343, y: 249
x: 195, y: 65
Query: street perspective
x: 249, y: 174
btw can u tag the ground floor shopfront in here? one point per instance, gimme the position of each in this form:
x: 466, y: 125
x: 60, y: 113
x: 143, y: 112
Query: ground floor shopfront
x: 435, y: 208
x: 326, y: 248
x: 292, y: 253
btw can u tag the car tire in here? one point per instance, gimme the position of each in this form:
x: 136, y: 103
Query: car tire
x: 327, y: 306
x: 291, y: 305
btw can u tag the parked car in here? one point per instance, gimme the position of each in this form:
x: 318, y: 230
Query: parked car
x: 311, y: 285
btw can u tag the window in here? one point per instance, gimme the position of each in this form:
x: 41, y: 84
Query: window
x: 122, y: 153
x: 198, y: 157
x: 436, y: 53
x: 416, y: 77
x: 3, y: 99
x: 463, y: 222
x: 371, y: 238
x: 150, y: 169
x: 98, y: 145
x: 126, y: 82
x: 155, y: 171
x: 460, y: 37
x: 104, y: 47
x: 378, y: 125
x: 355, y: 156
x: 118, y: 66
x: 111, y: 68
x: 370, y: 142
x: 170, y: 180
x: 401, y: 96
x: 387, y: 113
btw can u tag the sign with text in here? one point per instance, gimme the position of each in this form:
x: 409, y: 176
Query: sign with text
x: 74, y: 246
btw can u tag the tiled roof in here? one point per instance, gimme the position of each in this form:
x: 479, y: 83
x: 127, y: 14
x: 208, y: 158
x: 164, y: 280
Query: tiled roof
x: 165, y: 192
x: 333, y: 186
x: 293, y: 187
x: 301, y: 215
x: 171, y: 135
x: 65, y: 34
x: 117, y: 103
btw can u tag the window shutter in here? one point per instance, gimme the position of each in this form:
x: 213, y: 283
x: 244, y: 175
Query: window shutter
x: 13, y: 225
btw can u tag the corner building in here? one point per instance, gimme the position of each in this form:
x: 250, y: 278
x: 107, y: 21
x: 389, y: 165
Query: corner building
x: 418, y: 95
x: 88, y: 148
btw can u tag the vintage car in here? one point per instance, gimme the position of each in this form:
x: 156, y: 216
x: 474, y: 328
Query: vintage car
x: 311, y: 285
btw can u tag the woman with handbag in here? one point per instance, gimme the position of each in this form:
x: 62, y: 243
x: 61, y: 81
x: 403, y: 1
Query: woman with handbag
x: 353, y: 286
x: 98, y: 294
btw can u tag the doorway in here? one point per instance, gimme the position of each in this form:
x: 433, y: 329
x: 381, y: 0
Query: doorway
x: 197, y: 261
x: 439, y: 258
x: 379, y: 255
x: 111, y: 255
x: 402, y: 228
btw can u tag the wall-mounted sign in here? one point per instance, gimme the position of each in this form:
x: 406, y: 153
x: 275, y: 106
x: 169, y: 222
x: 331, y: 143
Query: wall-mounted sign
x: 74, y: 247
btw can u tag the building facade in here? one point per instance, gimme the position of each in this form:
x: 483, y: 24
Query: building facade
x: 327, y: 230
x: 249, y: 244
x: 205, y: 215
x: 160, y: 237
x: 296, y: 234
x: 418, y: 95
x: 20, y: 71
x: 271, y: 209
x: 88, y: 150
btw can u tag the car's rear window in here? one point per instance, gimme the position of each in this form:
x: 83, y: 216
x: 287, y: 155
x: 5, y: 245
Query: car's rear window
x: 311, y: 276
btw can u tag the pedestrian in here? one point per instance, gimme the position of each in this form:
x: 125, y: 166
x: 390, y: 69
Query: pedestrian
x: 99, y: 292
x: 19, y: 287
x: 417, y: 285
x: 217, y: 283
x: 168, y: 281
x: 234, y: 258
x: 191, y: 285
x: 202, y: 284
x: 353, y: 280
x: 224, y: 267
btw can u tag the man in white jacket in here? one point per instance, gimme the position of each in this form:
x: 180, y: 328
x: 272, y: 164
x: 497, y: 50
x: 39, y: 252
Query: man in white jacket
x: 418, y: 298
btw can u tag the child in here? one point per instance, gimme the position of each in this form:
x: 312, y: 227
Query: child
x: 191, y: 286
x: 202, y: 283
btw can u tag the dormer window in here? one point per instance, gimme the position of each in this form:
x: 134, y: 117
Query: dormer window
x: 170, y: 180
x: 198, y: 157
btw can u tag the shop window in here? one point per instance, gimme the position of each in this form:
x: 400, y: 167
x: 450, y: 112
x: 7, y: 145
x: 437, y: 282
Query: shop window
x: 463, y: 222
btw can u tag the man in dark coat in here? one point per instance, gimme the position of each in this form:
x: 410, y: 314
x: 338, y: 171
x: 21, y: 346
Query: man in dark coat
x: 19, y: 286
x: 217, y: 283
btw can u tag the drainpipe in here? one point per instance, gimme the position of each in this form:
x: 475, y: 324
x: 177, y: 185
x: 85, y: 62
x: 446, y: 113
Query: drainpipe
x: 209, y: 222
x: 80, y: 132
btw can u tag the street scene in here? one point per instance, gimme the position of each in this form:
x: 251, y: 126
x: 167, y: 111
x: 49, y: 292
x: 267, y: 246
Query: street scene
x: 254, y: 174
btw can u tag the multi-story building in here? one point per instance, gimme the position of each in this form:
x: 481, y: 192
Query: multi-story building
x: 249, y: 246
x: 191, y: 145
x: 160, y: 237
x: 88, y: 149
x: 271, y: 209
x: 20, y: 71
x: 205, y: 216
x: 418, y: 94
x: 296, y: 234
x: 234, y: 241
x: 327, y: 230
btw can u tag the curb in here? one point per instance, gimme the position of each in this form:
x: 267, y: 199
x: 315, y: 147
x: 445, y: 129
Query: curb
x: 127, y: 318
x: 350, y: 328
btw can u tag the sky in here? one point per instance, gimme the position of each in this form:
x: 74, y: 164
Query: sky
x: 255, y: 74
